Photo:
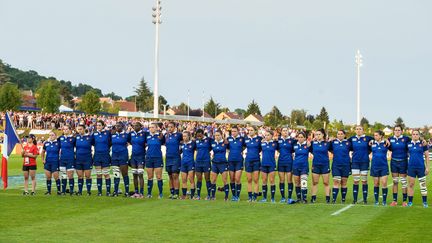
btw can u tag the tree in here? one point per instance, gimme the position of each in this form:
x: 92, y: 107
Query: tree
x: 399, y: 122
x: 10, y: 97
x: 144, y: 97
x: 4, y: 77
x: 225, y: 109
x: 183, y: 108
x: 253, y: 108
x: 66, y: 93
x: 240, y: 112
x: 48, y: 96
x: 310, y: 118
x: 113, y: 96
x: 90, y: 103
x: 323, y: 116
x: 298, y: 117
x: 364, y: 122
x: 378, y: 126
x: 212, y: 107
x: 82, y: 89
x: 107, y: 107
x: 274, y: 118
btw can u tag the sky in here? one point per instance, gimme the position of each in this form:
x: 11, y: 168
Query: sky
x: 292, y: 54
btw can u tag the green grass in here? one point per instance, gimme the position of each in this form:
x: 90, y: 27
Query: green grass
x: 93, y: 219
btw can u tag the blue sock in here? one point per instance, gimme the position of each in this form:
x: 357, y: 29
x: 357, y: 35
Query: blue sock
x: 365, y: 192
x: 424, y: 199
x: 149, y: 187
x: 298, y: 192
x: 327, y: 199
x: 395, y: 196
x: 208, y: 186
x: 355, y: 192
x: 192, y: 192
x: 99, y: 184
x: 226, y: 188
x: 410, y: 199
x: 48, y: 184
x: 272, y: 191
x: 335, y: 192
x: 376, y: 193
x: 384, y: 194
x: 304, y: 194
x: 254, y: 196
x: 199, y: 185
x: 290, y: 190
x: 108, y: 185
x: 172, y: 190
x: 88, y: 184
x: 116, y: 185
x: 404, y: 196
x: 58, y: 184
x: 64, y: 182
x: 344, y: 193
x: 264, y: 191
x: 176, y: 192
x: 80, y: 185
x: 250, y: 195
x: 313, y: 198
x: 160, y: 186
x: 282, y: 189
x: 238, y: 187
x: 213, y: 190
x: 71, y: 185
x: 233, y: 189
x: 141, y: 190
x: 126, y: 183
x: 184, y: 190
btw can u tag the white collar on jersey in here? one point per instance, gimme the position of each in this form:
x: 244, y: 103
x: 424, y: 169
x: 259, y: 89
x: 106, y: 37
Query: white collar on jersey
x: 304, y: 143
x: 415, y: 142
x: 401, y: 136
x: 289, y: 137
x: 362, y: 136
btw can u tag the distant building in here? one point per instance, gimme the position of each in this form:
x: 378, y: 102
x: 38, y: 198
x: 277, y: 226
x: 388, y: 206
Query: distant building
x: 228, y: 116
x: 254, y: 118
x: 125, y: 105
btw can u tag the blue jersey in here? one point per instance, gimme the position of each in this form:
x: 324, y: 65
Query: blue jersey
x: 253, y: 146
x: 52, y: 150
x: 341, y: 150
x: 154, y: 145
x: 301, y: 154
x: 84, y: 145
x: 102, y: 142
x: 268, y: 153
x: 379, y: 155
x: 236, y: 146
x: 119, y: 143
x: 138, y: 142
x: 320, y: 150
x: 203, y: 147
x: 188, y: 153
x: 416, y: 151
x: 399, y: 147
x: 360, y: 148
x: 219, y: 151
x: 67, y: 147
x: 173, y: 144
x: 286, y: 149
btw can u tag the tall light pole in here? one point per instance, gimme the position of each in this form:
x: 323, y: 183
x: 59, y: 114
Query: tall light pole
x: 188, y: 105
x: 203, y: 105
x: 157, y: 21
x: 359, y: 63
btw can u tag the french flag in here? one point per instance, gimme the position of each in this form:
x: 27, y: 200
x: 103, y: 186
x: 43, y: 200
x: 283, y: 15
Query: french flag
x: 10, y: 140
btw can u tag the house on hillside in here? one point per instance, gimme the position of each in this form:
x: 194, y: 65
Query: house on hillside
x: 125, y: 105
x: 228, y: 116
x: 254, y: 118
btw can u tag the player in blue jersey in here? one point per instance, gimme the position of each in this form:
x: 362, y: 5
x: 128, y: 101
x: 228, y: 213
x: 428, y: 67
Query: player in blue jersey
x: 301, y: 167
x: 341, y: 165
x: 50, y: 159
x: 418, y: 167
x: 187, y: 167
x: 236, y: 146
x: 219, y: 164
x: 360, y: 162
x: 320, y: 164
x: 268, y: 165
x: 101, y: 157
x: 399, y: 163
x: 67, y: 159
x: 202, y: 163
x: 84, y: 160
x: 285, y: 162
x: 154, y: 161
x: 379, y: 166
x: 137, y: 160
x: 120, y: 158
x: 252, y: 162
x: 173, y: 141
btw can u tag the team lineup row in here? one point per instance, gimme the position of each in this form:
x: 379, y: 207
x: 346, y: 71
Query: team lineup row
x: 195, y: 158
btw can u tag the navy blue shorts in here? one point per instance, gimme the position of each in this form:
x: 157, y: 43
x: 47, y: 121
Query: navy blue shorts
x: 172, y: 169
x: 235, y: 165
x: 341, y: 170
x: 185, y: 168
x: 202, y: 167
x: 379, y: 172
x: 83, y: 166
x: 51, y: 166
x: 284, y: 167
x: 173, y: 161
x: 137, y: 161
x: 219, y: 168
x: 416, y: 172
x: 119, y: 162
x: 252, y: 166
x: 399, y: 167
x: 360, y: 166
x: 268, y: 168
x: 102, y: 160
x: 69, y: 164
x: 301, y: 170
x: 320, y: 169
x: 154, y: 162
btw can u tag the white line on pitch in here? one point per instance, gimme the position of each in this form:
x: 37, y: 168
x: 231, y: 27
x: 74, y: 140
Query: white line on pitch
x: 341, y: 210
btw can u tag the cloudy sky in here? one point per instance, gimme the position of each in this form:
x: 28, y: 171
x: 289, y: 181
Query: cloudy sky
x: 293, y: 54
